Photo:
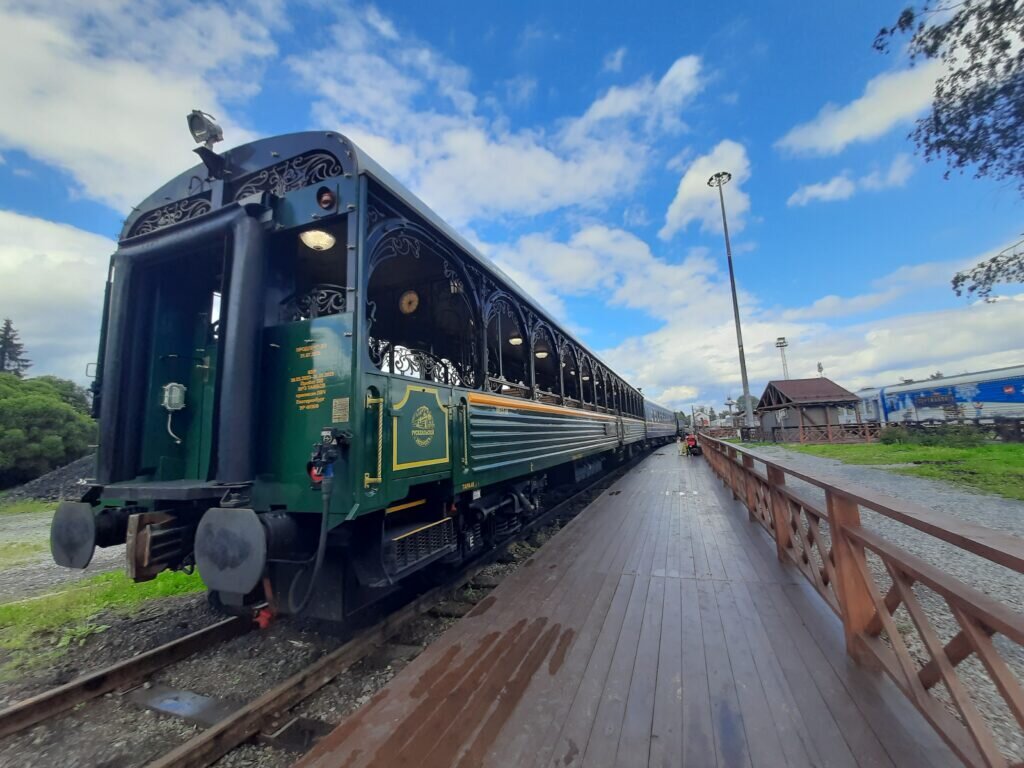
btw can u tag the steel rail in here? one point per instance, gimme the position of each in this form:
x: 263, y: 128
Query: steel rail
x: 47, y: 704
x: 213, y: 743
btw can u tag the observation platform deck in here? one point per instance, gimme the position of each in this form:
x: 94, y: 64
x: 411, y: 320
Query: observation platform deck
x: 659, y: 628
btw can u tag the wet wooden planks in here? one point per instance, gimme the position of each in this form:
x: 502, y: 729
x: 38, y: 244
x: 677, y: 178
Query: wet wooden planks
x: 657, y: 629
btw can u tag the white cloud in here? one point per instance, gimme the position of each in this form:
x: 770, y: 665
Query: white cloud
x: 415, y: 112
x: 49, y: 273
x: 693, y: 354
x: 889, y: 99
x: 384, y: 27
x: 613, y: 60
x: 101, y: 91
x: 837, y: 188
x: 898, y: 174
x: 842, y: 187
x: 696, y: 201
x: 658, y: 103
x: 519, y: 90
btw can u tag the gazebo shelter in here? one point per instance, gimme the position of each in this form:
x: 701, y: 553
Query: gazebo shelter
x: 812, y: 411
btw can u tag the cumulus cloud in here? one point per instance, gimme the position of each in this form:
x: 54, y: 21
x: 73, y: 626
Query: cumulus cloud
x: 657, y: 102
x: 49, y: 273
x: 415, y: 111
x: 842, y: 187
x: 889, y: 99
x: 107, y: 85
x: 614, y: 59
x: 691, y: 356
x: 837, y: 188
x: 696, y: 201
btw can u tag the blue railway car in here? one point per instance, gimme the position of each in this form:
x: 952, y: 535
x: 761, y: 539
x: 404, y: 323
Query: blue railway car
x: 997, y: 393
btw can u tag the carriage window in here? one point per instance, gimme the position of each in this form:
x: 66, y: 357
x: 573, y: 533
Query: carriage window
x: 507, y: 350
x: 570, y: 375
x: 307, y: 282
x: 587, y: 381
x: 545, y: 365
x: 421, y: 322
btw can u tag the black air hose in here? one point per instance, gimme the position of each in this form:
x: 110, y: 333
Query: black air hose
x: 326, y: 489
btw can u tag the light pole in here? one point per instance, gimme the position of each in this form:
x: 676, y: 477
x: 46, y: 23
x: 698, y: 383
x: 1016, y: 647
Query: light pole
x: 718, y: 180
x: 781, y: 344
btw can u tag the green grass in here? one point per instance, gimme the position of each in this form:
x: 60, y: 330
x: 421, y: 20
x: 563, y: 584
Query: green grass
x: 994, y: 468
x: 25, y: 506
x: 14, y: 553
x: 36, y: 632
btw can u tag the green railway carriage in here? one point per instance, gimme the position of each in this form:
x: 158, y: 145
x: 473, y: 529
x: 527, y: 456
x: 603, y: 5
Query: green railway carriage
x: 310, y: 387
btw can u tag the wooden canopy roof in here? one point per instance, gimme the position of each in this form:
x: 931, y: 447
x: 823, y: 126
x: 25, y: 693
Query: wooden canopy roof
x: 797, y: 392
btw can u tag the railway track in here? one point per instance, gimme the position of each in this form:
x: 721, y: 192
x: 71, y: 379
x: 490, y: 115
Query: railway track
x: 268, y: 713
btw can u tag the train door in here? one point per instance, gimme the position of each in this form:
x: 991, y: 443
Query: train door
x: 179, y: 327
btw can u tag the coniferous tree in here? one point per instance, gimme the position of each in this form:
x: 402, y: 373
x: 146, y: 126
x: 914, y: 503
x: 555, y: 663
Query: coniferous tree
x: 12, y: 351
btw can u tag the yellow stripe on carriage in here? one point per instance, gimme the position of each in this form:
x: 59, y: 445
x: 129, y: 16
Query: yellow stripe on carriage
x: 530, y: 405
x: 422, y: 528
x: 407, y: 505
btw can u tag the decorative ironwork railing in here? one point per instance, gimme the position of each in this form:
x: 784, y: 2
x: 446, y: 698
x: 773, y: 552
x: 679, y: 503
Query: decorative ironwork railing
x: 419, y: 364
x: 319, y: 301
x: 172, y: 213
x: 954, y: 651
x: 294, y: 173
x: 505, y: 387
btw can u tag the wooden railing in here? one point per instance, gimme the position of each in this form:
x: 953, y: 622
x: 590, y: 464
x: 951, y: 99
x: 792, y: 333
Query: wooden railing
x: 907, y: 616
x: 831, y: 433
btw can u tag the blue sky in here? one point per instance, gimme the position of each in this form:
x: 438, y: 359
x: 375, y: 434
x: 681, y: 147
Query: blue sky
x: 570, y: 142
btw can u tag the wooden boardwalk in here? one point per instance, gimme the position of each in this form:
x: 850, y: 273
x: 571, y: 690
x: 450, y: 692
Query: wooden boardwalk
x: 657, y: 629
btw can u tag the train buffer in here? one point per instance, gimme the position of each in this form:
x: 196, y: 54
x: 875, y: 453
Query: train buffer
x: 661, y: 627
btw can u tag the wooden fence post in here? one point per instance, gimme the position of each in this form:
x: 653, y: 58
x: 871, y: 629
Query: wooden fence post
x: 733, y: 484
x: 856, y: 607
x: 750, y: 486
x: 779, y: 510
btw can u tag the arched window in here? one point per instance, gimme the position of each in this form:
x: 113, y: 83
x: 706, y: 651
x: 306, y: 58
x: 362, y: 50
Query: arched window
x: 507, y: 350
x: 601, y: 387
x: 420, y: 319
x: 587, y: 381
x: 570, y: 375
x: 546, y: 370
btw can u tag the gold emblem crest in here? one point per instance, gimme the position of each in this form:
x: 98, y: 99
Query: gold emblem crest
x: 423, y: 426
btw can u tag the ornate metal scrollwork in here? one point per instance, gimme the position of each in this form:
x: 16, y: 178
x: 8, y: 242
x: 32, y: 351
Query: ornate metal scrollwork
x: 179, y: 210
x: 455, y: 284
x: 294, y: 173
x: 318, y: 301
x: 374, y: 215
x: 419, y: 364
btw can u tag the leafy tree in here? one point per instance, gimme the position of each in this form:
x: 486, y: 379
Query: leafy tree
x: 39, y: 429
x: 1007, y: 266
x: 711, y: 413
x: 12, y: 351
x: 977, y: 114
x: 74, y: 395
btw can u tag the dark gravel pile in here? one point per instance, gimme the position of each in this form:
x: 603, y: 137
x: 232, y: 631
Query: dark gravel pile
x: 62, y: 483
